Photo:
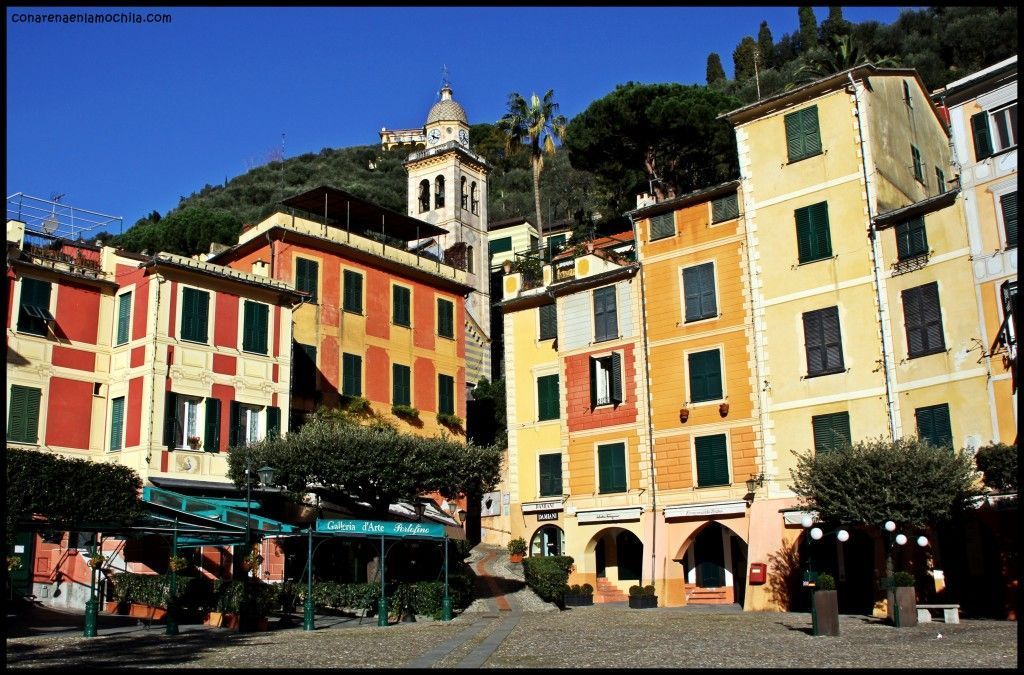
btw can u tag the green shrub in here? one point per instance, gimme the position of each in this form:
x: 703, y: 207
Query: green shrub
x: 154, y: 590
x: 547, y: 575
x: 572, y: 590
x: 636, y: 591
x: 998, y: 463
x: 902, y: 579
x: 825, y: 582
x: 517, y: 546
x: 587, y: 589
x: 406, y: 411
x: 357, y: 404
x: 449, y: 420
x: 649, y: 591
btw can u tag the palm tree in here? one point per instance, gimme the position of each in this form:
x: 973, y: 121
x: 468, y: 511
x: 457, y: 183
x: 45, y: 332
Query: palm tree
x: 539, y: 124
x: 845, y: 53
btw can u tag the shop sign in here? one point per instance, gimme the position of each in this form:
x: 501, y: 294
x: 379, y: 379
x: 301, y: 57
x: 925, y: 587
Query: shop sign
x: 547, y: 515
x: 795, y: 517
x: 379, y: 528
x: 703, y: 510
x: 609, y: 515
x: 531, y: 507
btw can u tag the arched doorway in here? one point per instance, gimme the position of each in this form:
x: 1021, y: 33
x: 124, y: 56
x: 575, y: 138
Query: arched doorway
x: 547, y: 540
x: 851, y: 564
x: 618, y: 555
x: 714, y: 563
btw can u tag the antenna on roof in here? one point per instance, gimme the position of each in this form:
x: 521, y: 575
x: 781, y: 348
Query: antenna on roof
x: 444, y: 77
x: 50, y: 223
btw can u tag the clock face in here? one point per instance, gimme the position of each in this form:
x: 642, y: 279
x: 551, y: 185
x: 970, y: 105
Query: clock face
x: 435, y: 135
x: 463, y: 137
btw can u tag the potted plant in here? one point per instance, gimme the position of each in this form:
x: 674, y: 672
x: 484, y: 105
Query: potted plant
x: 517, y: 549
x: 96, y: 560
x: 825, y: 606
x: 507, y: 266
x: 642, y: 597
x: 578, y: 596
x: 194, y: 441
x: 723, y: 409
x: 905, y: 605
x: 177, y: 563
x: 684, y: 413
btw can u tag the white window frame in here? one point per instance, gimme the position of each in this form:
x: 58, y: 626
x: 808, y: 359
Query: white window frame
x: 184, y: 403
x: 255, y: 421
x: 998, y: 191
x: 994, y: 130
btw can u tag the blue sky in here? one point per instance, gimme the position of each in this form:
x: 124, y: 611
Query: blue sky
x: 126, y: 118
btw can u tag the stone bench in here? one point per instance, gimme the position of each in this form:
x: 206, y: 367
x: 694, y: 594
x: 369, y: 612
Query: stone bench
x: 950, y: 613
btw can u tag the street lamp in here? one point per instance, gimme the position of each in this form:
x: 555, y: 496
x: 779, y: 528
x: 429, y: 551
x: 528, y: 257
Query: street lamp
x: 900, y: 539
x: 816, y: 533
x: 264, y: 475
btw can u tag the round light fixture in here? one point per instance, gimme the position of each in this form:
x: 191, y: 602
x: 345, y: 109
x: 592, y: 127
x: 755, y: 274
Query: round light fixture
x: 816, y: 534
x: 890, y: 526
x: 843, y: 535
x: 806, y: 521
x: 901, y: 539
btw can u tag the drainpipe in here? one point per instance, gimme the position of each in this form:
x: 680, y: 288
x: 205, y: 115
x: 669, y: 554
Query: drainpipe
x: 883, y: 325
x: 152, y: 401
x: 647, y: 388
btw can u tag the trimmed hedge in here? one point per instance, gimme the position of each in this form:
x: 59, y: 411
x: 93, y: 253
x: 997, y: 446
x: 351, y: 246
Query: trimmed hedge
x: 548, y: 575
x: 154, y: 590
x: 422, y: 597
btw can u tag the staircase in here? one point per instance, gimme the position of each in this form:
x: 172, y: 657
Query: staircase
x: 695, y: 595
x: 606, y: 591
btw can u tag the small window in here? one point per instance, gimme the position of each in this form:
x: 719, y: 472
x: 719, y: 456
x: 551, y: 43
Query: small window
x: 915, y: 154
x: 606, y: 380
x: 555, y: 245
x: 911, y: 239
x: 547, y: 398
x: 424, y: 195
x: 306, y: 277
x: 831, y: 432
x: 940, y: 180
x: 548, y: 322
x: 725, y: 208
x: 23, y: 414
x: 470, y: 260
x: 474, y: 196
x: 117, y: 423
x: 500, y: 245
x: 923, y: 318
x: 124, y: 315
x: 823, y: 342
x: 611, y: 467
x: 353, y: 300
x: 606, y: 324
x: 351, y: 375
x: 1004, y: 125
x: 463, y: 193
x: 187, y: 416
x: 906, y: 95
x: 255, y: 327
x: 699, y: 292
x: 550, y: 474
x: 933, y: 425
x: 401, y: 392
x: 534, y: 243
x: 400, y: 306
x: 705, y: 371
x: 803, y: 138
x: 195, y: 312
x: 1008, y: 205
x: 439, y: 192
x: 446, y: 394
x: 445, y: 318
x: 34, y: 312
x: 813, y: 238
x: 663, y: 226
x: 248, y: 425
x: 712, y: 460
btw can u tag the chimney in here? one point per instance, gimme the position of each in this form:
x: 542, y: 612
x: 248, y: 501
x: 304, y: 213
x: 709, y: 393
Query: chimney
x: 645, y: 199
x: 259, y: 268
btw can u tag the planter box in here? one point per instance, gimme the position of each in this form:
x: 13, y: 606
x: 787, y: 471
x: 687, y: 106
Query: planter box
x: 115, y: 607
x: 643, y: 601
x: 143, y: 611
x: 905, y: 607
x: 578, y: 600
x: 825, y: 613
x: 515, y: 557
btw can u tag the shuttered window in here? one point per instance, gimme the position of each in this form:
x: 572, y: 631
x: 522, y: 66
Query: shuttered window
x: 273, y: 421
x: 911, y: 239
x: 933, y: 425
x: 446, y: 394
x: 699, y: 292
x: 915, y: 155
x: 445, y: 318
x: 606, y: 325
x: 923, y: 318
x: 351, y: 375
x: 803, y: 138
x: 606, y: 380
x: 663, y: 225
x: 499, y: 245
x: 1008, y: 203
x: 705, y: 370
x: 831, y: 432
x: 303, y: 368
x: 211, y: 435
x: 823, y: 342
x: 548, y: 322
x: 353, y: 300
x: 23, y: 414
x: 400, y: 305
x: 940, y: 179
x: 1004, y: 127
x: 712, y: 460
x: 124, y: 314
x: 172, y: 425
x: 254, y: 327
x: 117, y: 423
x: 611, y: 467
x: 550, y: 475
x: 195, y: 312
x: 547, y: 398
x: 306, y: 277
x: 35, y: 306
x: 401, y: 393
x: 725, y: 208
x: 906, y: 95
x: 555, y: 244
x: 813, y: 239
x: 982, y: 136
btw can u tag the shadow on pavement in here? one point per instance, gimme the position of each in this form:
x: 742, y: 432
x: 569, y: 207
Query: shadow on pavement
x: 800, y: 629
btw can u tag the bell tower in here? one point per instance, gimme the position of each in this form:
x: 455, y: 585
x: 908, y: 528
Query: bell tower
x: 448, y: 188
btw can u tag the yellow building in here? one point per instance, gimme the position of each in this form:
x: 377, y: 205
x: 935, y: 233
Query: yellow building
x: 862, y: 294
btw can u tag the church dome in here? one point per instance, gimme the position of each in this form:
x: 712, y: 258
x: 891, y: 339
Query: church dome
x: 447, y: 110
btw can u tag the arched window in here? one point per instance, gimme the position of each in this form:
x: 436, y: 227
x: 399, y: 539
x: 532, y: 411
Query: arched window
x: 439, y: 192
x: 547, y: 540
x: 424, y: 195
x: 465, y: 196
x: 469, y: 258
x: 474, y: 198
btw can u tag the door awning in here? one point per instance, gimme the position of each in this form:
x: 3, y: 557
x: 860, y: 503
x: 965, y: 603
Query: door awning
x: 203, y: 521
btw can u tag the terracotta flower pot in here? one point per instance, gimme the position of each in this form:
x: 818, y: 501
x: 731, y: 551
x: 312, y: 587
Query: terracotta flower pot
x: 723, y: 409
x: 684, y: 414
x: 515, y: 557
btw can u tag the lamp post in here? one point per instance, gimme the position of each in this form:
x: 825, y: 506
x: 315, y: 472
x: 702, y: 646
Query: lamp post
x: 92, y: 606
x: 265, y: 475
x: 898, y: 539
x: 816, y: 533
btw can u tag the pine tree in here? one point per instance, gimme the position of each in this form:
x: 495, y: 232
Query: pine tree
x: 715, y: 71
x: 765, y: 46
x: 743, y: 59
x: 808, y: 28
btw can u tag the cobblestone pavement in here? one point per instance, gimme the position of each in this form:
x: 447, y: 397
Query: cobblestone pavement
x: 524, y: 631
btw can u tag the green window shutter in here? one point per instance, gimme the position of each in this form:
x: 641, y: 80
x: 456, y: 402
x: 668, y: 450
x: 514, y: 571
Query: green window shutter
x: 499, y: 245
x: 35, y: 296
x: 911, y: 238
x: 400, y: 305
x: 254, y: 327
x: 124, y: 313
x: 352, y: 375
x: 982, y: 136
x: 725, y: 208
x: 803, y: 136
x: 616, y: 378
x: 812, y: 232
x: 353, y: 292
x: 606, y: 326
x: 699, y: 292
x: 663, y: 225
x: 400, y: 394
x: 117, y: 423
x: 831, y: 432
x: 550, y: 475
x: 555, y: 244
x: 211, y: 435
x: 712, y: 460
x: 794, y: 146
x: 933, y: 425
x: 1009, y: 206
x: 823, y: 342
x: 593, y: 381
x: 446, y: 394
x: 195, y: 307
x: 705, y: 370
x: 306, y: 272
x: 23, y: 418
x: 172, y: 425
x: 273, y: 421
x: 547, y: 397
x: 611, y: 467
x: 940, y: 178
x: 548, y: 322
x: 803, y: 234
x: 445, y: 318
x: 234, y: 419
x: 918, y: 165
x: 923, y: 319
